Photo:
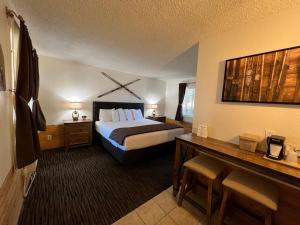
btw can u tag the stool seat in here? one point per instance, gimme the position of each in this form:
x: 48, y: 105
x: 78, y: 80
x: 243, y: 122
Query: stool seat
x: 253, y: 187
x: 210, y: 169
x: 204, y: 165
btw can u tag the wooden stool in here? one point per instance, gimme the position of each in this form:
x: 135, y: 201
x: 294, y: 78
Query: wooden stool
x: 209, y: 168
x: 252, y: 187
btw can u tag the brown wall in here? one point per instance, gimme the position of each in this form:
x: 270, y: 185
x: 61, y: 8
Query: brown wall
x: 57, y: 133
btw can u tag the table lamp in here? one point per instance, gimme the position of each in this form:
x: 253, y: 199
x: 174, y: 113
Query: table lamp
x: 75, y: 106
x: 153, y: 106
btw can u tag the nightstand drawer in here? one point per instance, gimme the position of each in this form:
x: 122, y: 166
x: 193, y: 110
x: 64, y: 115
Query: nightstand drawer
x: 80, y: 127
x: 78, y: 133
x: 79, y: 138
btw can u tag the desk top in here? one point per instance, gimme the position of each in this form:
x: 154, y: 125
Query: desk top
x: 230, y: 150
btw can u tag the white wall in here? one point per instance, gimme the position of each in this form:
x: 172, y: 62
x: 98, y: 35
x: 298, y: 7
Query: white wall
x: 227, y: 120
x: 172, y: 97
x: 62, y: 81
x: 6, y: 134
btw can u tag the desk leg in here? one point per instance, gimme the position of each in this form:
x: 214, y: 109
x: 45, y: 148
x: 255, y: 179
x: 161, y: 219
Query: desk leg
x: 177, y: 166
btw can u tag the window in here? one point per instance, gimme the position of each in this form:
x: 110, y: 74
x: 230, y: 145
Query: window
x: 188, y: 101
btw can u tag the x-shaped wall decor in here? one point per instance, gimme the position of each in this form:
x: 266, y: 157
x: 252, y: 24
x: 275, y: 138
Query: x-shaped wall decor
x: 120, y: 86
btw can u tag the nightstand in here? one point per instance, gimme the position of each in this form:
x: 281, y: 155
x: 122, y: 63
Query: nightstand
x: 77, y: 133
x: 157, y: 118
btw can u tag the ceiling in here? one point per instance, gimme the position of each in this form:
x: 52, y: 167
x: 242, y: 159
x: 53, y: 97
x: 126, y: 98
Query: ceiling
x: 155, y: 38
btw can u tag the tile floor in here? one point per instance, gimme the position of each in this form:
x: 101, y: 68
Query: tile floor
x: 163, y: 210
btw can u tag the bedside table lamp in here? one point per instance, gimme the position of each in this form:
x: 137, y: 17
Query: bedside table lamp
x: 75, y: 106
x: 153, y: 106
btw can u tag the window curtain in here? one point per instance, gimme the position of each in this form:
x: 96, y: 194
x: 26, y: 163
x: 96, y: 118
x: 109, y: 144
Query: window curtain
x: 27, y: 141
x: 2, y: 71
x: 182, y: 88
x: 37, y: 112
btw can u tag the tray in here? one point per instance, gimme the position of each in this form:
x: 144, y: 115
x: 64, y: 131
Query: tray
x: 291, y: 164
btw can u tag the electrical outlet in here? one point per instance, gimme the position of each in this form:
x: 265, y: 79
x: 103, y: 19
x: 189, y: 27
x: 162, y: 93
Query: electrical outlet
x: 49, y: 137
x: 269, y: 133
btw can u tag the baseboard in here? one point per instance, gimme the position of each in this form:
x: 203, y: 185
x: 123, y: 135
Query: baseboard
x: 11, y: 197
x: 57, y: 139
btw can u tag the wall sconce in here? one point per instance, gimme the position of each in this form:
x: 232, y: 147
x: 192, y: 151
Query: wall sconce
x: 75, y: 106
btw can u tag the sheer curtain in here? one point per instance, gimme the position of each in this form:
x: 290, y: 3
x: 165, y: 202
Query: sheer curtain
x: 14, y: 49
x: 188, y: 101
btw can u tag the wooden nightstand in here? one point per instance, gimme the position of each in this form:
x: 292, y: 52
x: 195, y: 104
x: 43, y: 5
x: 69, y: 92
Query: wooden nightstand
x: 157, y: 118
x: 77, y: 133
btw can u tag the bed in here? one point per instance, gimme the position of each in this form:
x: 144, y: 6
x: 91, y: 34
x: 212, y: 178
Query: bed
x: 136, y: 147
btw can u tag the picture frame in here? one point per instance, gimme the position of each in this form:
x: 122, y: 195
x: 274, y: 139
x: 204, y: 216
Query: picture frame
x: 271, y: 77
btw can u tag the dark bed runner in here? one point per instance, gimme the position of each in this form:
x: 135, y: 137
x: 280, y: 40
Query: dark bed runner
x: 119, y: 134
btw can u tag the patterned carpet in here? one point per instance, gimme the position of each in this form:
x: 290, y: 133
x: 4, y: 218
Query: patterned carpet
x: 87, y: 186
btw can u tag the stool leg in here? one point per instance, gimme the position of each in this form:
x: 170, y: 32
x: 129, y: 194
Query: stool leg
x: 226, y: 195
x: 268, y: 217
x: 209, y: 201
x: 220, y: 187
x: 194, y: 183
x: 184, y: 182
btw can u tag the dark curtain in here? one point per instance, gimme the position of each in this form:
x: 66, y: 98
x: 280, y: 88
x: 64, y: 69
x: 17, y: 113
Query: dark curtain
x: 27, y: 141
x: 37, y: 112
x: 182, y: 87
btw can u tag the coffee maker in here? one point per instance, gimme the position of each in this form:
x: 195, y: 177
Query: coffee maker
x: 275, y: 147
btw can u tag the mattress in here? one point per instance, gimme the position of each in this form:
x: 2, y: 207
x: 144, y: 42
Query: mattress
x: 140, y: 140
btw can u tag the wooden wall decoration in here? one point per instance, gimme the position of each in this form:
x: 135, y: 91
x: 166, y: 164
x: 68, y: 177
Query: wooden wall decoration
x: 2, y: 71
x: 57, y: 137
x: 271, y: 77
x: 120, y: 86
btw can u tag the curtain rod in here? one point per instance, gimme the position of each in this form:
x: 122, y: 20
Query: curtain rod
x: 193, y: 82
x: 12, y: 13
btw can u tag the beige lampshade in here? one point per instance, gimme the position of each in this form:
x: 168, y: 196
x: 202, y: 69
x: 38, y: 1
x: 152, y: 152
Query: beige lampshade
x: 153, y: 106
x: 75, y: 105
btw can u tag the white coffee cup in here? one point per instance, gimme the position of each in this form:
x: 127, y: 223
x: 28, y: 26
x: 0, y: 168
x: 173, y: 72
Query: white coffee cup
x: 292, y: 157
x: 291, y: 154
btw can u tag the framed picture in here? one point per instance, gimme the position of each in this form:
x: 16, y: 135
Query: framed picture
x: 2, y: 71
x: 271, y: 77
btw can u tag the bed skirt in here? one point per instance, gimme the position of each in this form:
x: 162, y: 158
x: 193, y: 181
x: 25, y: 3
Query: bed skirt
x: 131, y: 156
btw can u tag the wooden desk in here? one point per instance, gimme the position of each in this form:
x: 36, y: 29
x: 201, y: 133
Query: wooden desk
x: 287, y: 178
x: 230, y: 153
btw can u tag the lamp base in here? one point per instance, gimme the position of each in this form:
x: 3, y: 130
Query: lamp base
x: 75, y: 115
x: 153, y: 113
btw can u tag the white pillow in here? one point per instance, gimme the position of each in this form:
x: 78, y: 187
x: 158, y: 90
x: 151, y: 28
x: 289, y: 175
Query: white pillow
x: 137, y: 114
x: 129, y: 115
x: 121, y: 114
x: 115, y: 115
x: 105, y: 115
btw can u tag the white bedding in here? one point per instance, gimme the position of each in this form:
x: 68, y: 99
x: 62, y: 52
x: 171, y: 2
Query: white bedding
x: 139, y: 140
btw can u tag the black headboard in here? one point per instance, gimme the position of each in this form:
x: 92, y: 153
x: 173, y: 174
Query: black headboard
x: 110, y: 105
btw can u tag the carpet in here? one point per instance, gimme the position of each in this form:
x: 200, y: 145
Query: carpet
x: 86, y: 186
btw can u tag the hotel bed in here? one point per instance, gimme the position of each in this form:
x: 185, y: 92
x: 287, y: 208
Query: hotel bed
x: 138, y: 146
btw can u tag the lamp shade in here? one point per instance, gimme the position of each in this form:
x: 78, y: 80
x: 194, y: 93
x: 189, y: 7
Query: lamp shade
x: 153, y: 106
x: 75, y: 105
